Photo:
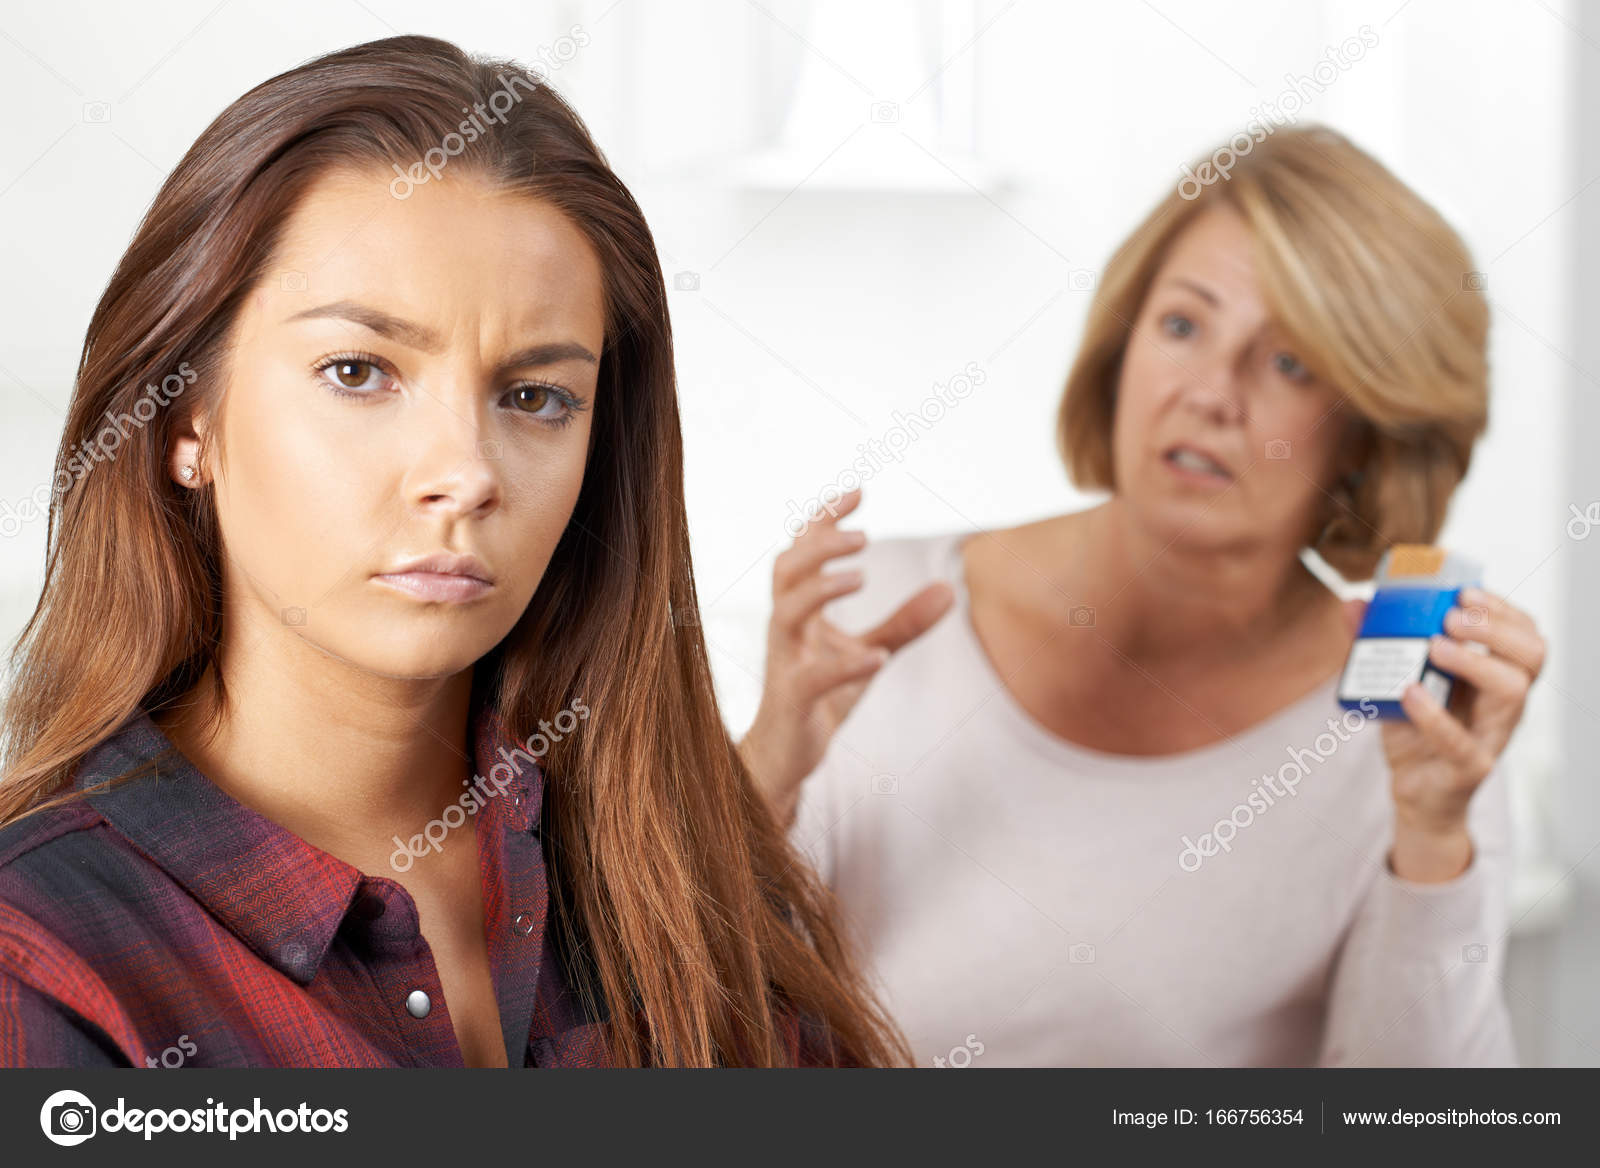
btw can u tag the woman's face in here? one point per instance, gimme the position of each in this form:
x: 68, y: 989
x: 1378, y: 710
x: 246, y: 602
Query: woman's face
x: 410, y: 379
x: 1222, y: 437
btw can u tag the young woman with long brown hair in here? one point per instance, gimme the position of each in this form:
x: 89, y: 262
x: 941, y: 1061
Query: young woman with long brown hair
x: 368, y: 542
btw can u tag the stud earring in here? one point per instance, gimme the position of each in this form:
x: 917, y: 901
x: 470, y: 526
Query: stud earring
x: 186, y: 473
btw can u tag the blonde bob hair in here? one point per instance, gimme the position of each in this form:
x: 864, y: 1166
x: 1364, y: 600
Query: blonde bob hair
x: 1378, y: 295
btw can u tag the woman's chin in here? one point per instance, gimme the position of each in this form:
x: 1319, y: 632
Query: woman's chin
x: 399, y: 657
x: 1188, y: 522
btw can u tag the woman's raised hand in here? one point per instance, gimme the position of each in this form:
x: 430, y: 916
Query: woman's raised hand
x: 816, y: 672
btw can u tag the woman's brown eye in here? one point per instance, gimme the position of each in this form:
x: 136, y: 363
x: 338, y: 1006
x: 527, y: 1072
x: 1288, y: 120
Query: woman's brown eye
x: 352, y: 374
x: 533, y: 398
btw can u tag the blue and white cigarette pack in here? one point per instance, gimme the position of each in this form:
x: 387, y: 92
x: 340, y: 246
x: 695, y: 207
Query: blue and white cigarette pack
x: 1416, y: 585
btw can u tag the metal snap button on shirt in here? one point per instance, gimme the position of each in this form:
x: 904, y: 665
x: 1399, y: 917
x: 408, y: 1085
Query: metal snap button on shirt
x: 523, y: 923
x: 418, y: 1004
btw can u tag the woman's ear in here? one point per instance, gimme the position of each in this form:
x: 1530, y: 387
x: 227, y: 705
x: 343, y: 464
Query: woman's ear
x: 1350, y: 457
x: 185, y: 448
x: 1355, y: 448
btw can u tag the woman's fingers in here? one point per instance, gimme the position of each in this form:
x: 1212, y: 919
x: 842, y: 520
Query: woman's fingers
x: 833, y: 512
x: 816, y: 546
x: 1492, y: 676
x: 823, y: 675
x: 1446, y: 735
x: 1516, y: 640
x: 1493, y: 604
x: 913, y: 618
x: 800, y: 602
x: 1495, y: 650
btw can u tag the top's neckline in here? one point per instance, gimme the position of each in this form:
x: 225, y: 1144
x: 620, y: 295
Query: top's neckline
x: 1268, y: 734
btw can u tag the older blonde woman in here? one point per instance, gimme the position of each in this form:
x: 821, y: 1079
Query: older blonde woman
x: 1007, y: 807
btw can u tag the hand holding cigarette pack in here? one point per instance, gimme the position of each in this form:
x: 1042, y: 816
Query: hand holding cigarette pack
x: 1416, y: 585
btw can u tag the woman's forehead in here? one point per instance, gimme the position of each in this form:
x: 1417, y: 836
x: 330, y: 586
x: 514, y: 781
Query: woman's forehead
x: 457, y: 252
x: 1215, y: 257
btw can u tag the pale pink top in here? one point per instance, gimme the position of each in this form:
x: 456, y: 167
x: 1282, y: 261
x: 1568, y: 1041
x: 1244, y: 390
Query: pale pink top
x: 1022, y: 900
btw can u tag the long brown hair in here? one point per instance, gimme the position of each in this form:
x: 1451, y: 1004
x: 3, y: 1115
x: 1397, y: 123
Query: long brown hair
x: 704, y: 935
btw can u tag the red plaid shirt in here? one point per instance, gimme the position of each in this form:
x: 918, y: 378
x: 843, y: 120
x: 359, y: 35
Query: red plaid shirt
x: 163, y: 923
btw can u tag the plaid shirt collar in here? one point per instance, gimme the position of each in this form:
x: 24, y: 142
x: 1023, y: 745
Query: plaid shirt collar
x: 279, y: 894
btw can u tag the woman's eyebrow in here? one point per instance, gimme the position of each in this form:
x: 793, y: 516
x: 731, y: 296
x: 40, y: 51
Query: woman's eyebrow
x: 426, y: 340
x: 1199, y: 290
x: 549, y: 353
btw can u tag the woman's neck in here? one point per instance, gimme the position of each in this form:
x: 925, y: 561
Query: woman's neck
x: 346, y: 760
x: 1157, y: 597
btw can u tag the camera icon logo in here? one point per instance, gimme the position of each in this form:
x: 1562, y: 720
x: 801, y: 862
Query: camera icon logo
x: 294, y: 616
x: 293, y: 281
x: 68, y: 1118
x: 1474, y: 282
x: 1278, y: 448
x: 1476, y: 954
x: 1081, y: 616
x: 97, y: 111
x: 1081, y: 954
x: 885, y: 784
x: 885, y: 112
x: 686, y: 282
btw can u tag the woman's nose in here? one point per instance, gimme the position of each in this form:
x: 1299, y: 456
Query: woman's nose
x: 458, y: 467
x: 1215, y: 390
x: 465, y: 488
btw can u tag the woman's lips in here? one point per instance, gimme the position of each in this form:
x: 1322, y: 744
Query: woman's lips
x: 436, y: 586
x: 1194, y: 466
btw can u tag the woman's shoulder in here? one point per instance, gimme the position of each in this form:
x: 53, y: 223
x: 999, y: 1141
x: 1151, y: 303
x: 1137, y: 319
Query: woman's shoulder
x: 67, y: 873
x: 53, y: 863
x: 893, y: 569
x: 1020, y: 558
x: 913, y: 556
x: 77, y: 846
x: 59, y: 870
x: 47, y: 840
